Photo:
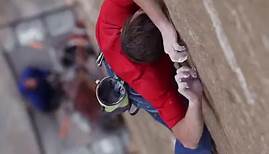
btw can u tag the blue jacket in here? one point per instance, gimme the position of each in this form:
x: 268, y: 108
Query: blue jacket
x: 41, y: 97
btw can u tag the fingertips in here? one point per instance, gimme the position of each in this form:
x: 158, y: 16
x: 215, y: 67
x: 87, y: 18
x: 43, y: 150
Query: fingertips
x: 194, y: 73
x: 178, y: 57
x: 183, y: 85
x: 179, y: 48
x: 187, y: 70
x: 183, y: 69
x: 181, y: 56
x: 183, y: 74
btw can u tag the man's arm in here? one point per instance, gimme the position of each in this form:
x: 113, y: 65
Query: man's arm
x: 189, y: 130
x: 154, y: 9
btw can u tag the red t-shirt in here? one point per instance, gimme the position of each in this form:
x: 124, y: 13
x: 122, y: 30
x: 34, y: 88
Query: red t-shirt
x: 155, y: 81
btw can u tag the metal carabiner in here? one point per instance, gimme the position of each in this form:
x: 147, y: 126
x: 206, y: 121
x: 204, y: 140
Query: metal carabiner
x: 100, y: 59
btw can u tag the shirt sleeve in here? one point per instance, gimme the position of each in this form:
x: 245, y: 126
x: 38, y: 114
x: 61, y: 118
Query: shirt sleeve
x: 123, y: 3
x: 114, y: 13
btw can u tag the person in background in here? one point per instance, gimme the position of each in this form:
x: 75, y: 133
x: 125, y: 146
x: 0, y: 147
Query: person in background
x: 78, y: 80
x: 79, y: 52
x: 78, y: 84
x: 81, y: 90
x: 34, y: 84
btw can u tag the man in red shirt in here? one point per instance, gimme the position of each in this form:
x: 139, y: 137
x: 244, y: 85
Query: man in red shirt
x: 154, y: 77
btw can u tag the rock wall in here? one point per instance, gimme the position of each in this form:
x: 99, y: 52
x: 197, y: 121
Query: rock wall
x: 229, y: 45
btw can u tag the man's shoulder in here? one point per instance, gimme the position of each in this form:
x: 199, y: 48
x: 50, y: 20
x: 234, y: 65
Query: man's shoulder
x: 116, y: 12
x: 122, y: 3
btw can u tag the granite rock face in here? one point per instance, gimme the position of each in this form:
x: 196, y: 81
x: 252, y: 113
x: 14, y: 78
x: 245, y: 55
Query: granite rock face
x: 229, y: 45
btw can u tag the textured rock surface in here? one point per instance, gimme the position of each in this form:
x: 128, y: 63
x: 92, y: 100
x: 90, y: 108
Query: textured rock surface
x: 228, y: 42
x: 149, y: 137
x: 229, y: 45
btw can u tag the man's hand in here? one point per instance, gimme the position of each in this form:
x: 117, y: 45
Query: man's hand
x: 189, y: 130
x: 153, y: 8
x: 176, y: 52
x: 188, y: 84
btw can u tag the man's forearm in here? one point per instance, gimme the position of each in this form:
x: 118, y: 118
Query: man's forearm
x: 189, y: 130
x: 154, y: 10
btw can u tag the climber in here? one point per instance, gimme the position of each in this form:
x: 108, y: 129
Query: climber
x: 134, y: 37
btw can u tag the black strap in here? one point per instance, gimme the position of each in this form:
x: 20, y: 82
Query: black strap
x: 135, y: 111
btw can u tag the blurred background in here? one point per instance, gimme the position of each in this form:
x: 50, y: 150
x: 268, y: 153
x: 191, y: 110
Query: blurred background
x: 40, y: 44
x: 50, y: 46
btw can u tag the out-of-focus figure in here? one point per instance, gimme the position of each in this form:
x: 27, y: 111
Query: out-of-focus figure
x: 35, y: 85
x: 80, y: 110
x: 78, y: 79
x: 81, y: 90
